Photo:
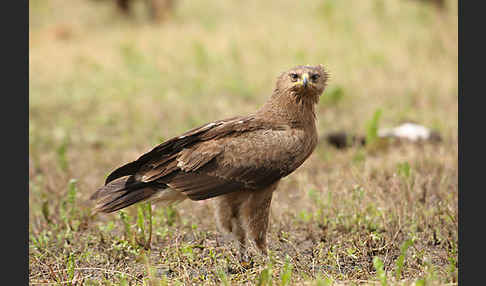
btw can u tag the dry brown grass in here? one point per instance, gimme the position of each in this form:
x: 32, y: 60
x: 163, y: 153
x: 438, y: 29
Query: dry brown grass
x: 104, y: 89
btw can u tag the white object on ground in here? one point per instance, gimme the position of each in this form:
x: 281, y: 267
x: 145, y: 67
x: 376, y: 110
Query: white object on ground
x: 410, y: 131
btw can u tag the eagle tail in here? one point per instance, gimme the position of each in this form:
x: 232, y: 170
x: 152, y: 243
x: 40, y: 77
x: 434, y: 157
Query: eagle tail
x: 122, y: 193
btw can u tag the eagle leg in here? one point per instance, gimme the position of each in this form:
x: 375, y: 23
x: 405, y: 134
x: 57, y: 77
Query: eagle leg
x: 227, y: 213
x: 255, y: 213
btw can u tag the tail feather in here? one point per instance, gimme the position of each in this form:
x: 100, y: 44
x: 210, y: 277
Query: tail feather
x: 122, y: 193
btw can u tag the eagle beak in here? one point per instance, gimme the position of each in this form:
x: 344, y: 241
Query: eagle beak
x: 305, y: 79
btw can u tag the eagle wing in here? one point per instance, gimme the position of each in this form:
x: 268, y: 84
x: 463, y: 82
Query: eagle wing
x: 217, y: 158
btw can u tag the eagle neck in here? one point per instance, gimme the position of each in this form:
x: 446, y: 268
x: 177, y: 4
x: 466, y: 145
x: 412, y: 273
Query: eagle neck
x: 289, y: 108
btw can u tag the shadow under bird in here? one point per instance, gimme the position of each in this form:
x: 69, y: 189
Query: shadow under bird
x: 237, y: 161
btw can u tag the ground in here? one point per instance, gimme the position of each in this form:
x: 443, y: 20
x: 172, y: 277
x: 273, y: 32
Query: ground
x: 105, y: 88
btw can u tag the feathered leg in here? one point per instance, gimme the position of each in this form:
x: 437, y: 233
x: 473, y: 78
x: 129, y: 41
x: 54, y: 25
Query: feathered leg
x: 227, y: 210
x: 255, y: 214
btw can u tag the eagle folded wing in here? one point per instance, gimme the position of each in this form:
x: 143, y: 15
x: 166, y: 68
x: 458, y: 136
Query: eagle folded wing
x: 211, y: 160
x: 208, y: 171
x: 172, y: 146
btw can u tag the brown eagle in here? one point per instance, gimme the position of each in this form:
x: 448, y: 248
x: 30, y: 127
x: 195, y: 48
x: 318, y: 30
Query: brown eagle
x: 238, y: 161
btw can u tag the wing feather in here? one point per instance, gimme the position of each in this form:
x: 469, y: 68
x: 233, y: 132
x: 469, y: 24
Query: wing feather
x: 214, y: 159
x: 172, y: 146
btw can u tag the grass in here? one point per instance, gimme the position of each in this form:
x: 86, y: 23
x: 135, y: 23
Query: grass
x: 104, y: 89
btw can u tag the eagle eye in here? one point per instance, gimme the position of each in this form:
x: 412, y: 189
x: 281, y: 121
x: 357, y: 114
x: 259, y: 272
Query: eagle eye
x: 294, y: 76
x: 315, y: 76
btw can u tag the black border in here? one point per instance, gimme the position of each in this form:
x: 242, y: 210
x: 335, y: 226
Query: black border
x: 15, y: 131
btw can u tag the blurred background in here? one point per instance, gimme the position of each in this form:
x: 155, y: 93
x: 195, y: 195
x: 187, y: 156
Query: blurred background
x: 110, y: 79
